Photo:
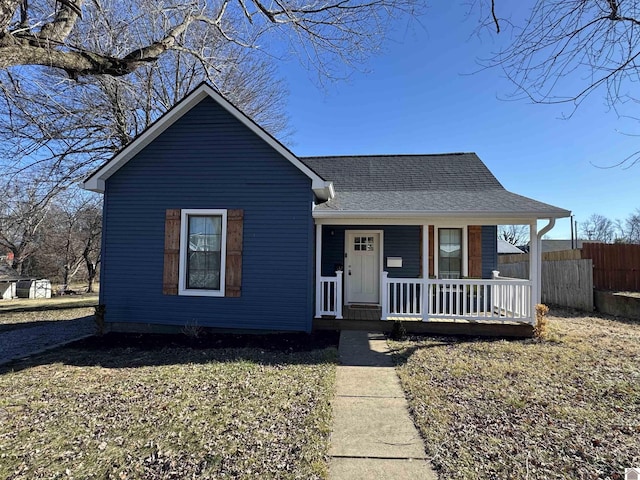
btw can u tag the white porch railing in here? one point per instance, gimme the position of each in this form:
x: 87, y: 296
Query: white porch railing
x: 329, y: 296
x: 498, y: 299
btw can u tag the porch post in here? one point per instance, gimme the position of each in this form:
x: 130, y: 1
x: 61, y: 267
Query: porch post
x: 534, y: 267
x: 384, y: 296
x: 318, y: 267
x: 425, y: 251
x: 339, y: 294
x: 425, y: 273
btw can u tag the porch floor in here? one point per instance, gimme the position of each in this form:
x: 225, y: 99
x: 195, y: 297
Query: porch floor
x: 365, y: 317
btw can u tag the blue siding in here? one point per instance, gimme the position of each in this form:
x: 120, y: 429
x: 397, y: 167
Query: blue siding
x: 489, y: 250
x: 399, y: 241
x: 208, y: 159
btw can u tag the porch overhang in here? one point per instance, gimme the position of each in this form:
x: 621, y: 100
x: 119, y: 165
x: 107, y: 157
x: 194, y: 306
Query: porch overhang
x: 328, y: 217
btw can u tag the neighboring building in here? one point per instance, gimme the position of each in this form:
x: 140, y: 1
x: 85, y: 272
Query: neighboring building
x: 559, y: 245
x: 9, y: 279
x: 210, y: 221
x: 506, y: 248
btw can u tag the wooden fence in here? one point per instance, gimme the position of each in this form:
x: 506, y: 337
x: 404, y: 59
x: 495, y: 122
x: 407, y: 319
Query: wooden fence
x: 564, y: 282
x: 615, y: 267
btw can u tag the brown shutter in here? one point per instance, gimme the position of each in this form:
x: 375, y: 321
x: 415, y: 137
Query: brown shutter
x: 171, y: 252
x: 474, y: 232
x: 431, y: 249
x: 233, y: 271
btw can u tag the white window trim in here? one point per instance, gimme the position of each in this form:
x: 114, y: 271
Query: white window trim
x: 184, y: 226
x: 465, y: 248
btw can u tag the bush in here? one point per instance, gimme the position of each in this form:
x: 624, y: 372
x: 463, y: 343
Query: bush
x: 541, y: 328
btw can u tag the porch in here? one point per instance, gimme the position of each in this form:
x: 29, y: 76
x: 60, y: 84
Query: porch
x: 498, y: 300
x: 386, y: 273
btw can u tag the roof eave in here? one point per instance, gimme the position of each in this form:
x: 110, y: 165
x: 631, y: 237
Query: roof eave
x: 322, y: 213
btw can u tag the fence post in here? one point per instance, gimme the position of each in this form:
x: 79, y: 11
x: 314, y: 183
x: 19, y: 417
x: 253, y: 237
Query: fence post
x: 339, y: 294
x: 384, y: 295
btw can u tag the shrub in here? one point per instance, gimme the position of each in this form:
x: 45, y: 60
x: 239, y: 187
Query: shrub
x: 541, y: 328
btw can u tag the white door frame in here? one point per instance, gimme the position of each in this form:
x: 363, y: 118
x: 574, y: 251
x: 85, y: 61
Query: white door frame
x: 348, y: 235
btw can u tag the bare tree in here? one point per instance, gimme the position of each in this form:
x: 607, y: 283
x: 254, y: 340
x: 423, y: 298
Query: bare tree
x: 514, y: 234
x: 52, y: 34
x: 24, y: 207
x: 631, y: 228
x: 598, y: 228
x: 61, y: 128
x: 562, y: 51
x: 72, y: 240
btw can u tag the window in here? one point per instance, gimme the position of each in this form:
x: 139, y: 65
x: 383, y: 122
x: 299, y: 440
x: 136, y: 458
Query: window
x: 450, y: 253
x: 363, y: 244
x: 203, y: 238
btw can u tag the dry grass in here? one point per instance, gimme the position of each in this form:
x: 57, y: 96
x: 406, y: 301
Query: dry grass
x: 167, y: 413
x: 54, y: 303
x: 568, y: 407
x: 13, y: 320
x: 21, y: 312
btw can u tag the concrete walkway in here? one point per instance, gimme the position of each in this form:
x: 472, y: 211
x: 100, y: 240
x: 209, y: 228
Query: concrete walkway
x: 373, y: 436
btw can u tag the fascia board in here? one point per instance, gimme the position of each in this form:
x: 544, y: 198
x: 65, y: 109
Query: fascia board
x: 518, y: 216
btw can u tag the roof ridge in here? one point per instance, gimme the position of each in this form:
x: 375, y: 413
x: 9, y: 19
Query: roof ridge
x: 388, y: 155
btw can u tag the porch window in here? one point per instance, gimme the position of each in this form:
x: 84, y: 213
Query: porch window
x: 202, y: 252
x: 450, y: 253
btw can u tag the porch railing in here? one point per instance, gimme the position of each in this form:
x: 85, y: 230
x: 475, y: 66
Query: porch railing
x: 329, y: 296
x: 498, y: 299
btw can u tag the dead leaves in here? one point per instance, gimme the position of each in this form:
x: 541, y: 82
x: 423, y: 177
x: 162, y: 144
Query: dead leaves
x: 520, y: 409
x: 173, y: 413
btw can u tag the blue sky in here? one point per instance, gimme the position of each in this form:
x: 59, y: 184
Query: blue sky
x: 420, y: 95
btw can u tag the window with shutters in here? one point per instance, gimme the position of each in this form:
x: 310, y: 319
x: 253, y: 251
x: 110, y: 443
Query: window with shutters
x: 203, y: 241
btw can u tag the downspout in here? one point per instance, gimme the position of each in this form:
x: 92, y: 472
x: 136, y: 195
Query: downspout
x: 541, y: 233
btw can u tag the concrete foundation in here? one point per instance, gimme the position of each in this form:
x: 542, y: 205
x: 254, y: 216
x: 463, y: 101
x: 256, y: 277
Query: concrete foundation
x: 618, y: 304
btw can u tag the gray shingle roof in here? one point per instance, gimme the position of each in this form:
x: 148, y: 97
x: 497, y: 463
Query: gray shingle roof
x: 457, y: 183
x: 453, y: 171
x: 8, y: 274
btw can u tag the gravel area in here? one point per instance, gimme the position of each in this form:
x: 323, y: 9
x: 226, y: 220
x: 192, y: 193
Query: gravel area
x: 22, y: 342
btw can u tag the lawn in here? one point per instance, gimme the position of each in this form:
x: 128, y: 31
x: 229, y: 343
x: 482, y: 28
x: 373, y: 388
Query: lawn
x: 24, y: 312
x: 568, y: 407
x: 47, y: 304
x: 123, y: 410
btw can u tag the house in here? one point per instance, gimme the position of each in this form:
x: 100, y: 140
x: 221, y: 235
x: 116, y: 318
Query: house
x: 210, y: 221
x: 8, y: 281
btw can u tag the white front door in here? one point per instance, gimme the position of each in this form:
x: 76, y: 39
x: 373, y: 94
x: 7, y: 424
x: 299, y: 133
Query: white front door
x: 363, y: 251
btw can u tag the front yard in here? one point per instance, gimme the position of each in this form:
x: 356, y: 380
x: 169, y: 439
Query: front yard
x: 567, y: 408
x: 167, y: 411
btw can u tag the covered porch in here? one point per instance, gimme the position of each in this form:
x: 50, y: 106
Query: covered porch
x: 435, y: 276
